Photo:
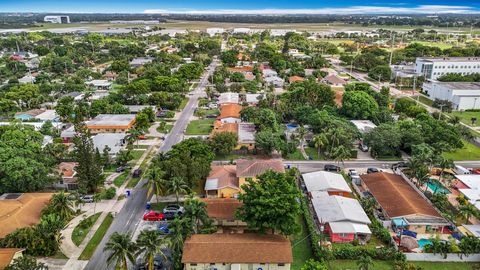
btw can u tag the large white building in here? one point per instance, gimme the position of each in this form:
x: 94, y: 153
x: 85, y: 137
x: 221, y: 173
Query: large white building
x: 57, y: 19
x: 435, y: 67
x: 214, y: 31
x: 463, y: 95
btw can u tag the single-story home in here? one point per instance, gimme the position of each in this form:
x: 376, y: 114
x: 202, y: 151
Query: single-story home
x: 99, y: 84
x: 48, y: 115
x: 334, y: 81
x: 240, y: 251
x: 363, y: 126
x: 230, y: 113
x: 68, y: 176
x: 228, y: 97
x: 293, y: 79
x: 28, y: 114
x: 222, y: 211
x: 246, y: 135
x: 253, y: 99
x: 111, y: 123
x: 140, y: 61
x: 19, y: 210
x: 344, y: 219
x: 222, y: 182
x: 114, y: 141
x: 402, y: 204
x: 332, y: 183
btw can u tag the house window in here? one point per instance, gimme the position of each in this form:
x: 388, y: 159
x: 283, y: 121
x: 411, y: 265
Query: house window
x: 281, y: 264
x: 212, y: 263
x: 193, y: 264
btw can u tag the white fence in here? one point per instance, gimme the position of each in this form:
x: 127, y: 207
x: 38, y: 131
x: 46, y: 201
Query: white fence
x: 451, y: 257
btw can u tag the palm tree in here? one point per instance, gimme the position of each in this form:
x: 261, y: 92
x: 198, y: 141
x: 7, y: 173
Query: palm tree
x: 196, y: 210
x: 319, y: 141
x: 61, y: 205
x: 454, y: 120
x: 156, y: 183
x: 467, y: 211
x: 122, y: 249
x: 149, y: 243
x: 444, y: 164
x: 340, y: 153
x: 301, y: 131
x: 133, y: 136
x: 364, y: 263
x: 177, y: 185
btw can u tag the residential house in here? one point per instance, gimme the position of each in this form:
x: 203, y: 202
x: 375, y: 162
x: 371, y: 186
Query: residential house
x: 26, y: 79
x: 334, y: 81
x: 363, y: 126
x: 77, y: 96
x: 222, y: 211
x: 244, y: 251
x: 68, y: 176
x: 402, y: 205
x: 332, y: 183
x: 140, y: 61
x: 252, y: 168
x: 222, y: 182
x: 274, y: 80
x: 114, y: 141
x: 7, y: 255
x: 229, y: 97
x: 99, y: 84
x: 110, y: 76
x: 469, y: 186
x: 230, y: 113
x: 111, y: 123
x: 20, y: 210
x: 28, y: 115
x: 48, y: 115
x: 68, y: 134
x: 343, y: 219
x: 134, y: 109
x: 293, y: 79
x: 253, y: 99
x: 246, y: 136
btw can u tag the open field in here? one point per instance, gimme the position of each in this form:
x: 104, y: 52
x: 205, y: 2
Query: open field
x: 468, y: 152
x: 199, y: 127
x: 465, y: 117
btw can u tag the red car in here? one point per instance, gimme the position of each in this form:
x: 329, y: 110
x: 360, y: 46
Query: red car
x: 153, y: 216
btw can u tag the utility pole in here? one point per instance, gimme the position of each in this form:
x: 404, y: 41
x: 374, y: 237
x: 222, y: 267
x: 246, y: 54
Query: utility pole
x: 391, y: 49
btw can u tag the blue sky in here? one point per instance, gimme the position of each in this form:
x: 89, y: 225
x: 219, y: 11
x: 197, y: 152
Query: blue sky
x: 245, y: 6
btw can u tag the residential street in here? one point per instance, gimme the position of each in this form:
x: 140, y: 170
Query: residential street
x: 130, y: 215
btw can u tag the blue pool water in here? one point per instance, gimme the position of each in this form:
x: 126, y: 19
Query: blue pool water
x: 290, y: 126
x: 422, y: 242
x: 436, y: 187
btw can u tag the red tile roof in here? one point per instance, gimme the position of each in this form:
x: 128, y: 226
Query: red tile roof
x: 253, y: 168
x: 222, y: 208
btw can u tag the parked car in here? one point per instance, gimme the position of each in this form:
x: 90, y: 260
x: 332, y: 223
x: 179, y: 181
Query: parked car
x: 153, y: 216
x: 142, y: 137
x: 174, y: 208
x: 120, y: 169
x: 331, y: 168
x: 211, y: 116
x: 352, y: 172
x: 87, y: 198
x: 137, y: 173
x: 363, y: 147
x: 373, y: 170
x: 163, y: 228
x: 461, y: 170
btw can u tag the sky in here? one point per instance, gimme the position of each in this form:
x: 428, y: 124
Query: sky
x: 244, y: 6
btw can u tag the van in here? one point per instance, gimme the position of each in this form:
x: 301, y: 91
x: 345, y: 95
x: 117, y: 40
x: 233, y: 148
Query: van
x: 461, y: 170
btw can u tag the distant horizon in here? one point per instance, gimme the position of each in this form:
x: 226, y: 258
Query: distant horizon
x: 246, y: 7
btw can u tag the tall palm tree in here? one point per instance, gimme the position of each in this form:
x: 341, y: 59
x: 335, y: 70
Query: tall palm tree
x: 150, y: 243
x: 121, y: 249
x: 177, y: 185
x: 61, y: 205
x: 132, y: 136
x: 156, y: 183
x: 445, y: 164
x: 468, y: 211
x: 364, y: 263
x: 340, y: 153
x: 320, y: 141
x: 196, y: 210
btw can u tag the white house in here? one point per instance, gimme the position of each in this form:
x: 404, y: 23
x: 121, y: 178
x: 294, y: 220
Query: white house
x: 332, y: 183
x: 434, y: 67
x: 228, y: 97
x: 463, y: 95
x: 99, y: 84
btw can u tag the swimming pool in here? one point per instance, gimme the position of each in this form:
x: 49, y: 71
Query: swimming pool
x: 423, y: 242
x: 292, y: 126
x: 436, y: 187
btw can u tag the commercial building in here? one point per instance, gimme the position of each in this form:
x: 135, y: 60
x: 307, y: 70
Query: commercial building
x: 57, y: 19
x: 434, y: 67
x: 237, y: 252
x: 463, y: 95
x: 111, y: 123
x: 401, y: 205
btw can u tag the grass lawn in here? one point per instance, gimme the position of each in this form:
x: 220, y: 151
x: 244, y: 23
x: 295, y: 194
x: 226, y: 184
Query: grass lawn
x: 466, y: 116
x: 136, y: 156
x: 133, y: 181
x: 120, y: 179
x: 81, y: 230
x: 97, y: 237
x: 205, y: 112
x: 183, y: 103
x: 468, y: 152
x: 166, y: 129
x: 200, y: 127
x: 425, y: 100
x: 233, y: 157
x: 301, y: 248
x: 382, y: 265
x: 158, y: 206
x: 311, y: 152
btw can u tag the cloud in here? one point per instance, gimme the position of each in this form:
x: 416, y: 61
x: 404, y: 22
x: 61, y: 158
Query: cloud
x: 421, y: 9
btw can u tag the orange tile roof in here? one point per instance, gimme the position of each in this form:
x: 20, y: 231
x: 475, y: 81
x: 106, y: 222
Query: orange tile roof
x: 22, y: 212
x: 253, y: 168
x: 226, y: 176
x: 219, y: 127
x: 222, y: 208
x: 237, y: 248
x: 295, y: 79
x: 241, y: 69
x: 396, y: 196
x: 6, y: 256
x: 230, y: 110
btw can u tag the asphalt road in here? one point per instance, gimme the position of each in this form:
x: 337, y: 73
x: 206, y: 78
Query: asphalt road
x: 130, y: 215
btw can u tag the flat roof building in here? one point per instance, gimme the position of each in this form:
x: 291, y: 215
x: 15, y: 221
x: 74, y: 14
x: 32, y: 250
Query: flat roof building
x: 332, y: 183
x: 462, y: 95
x: 111, y: 123
x: 434, y: 67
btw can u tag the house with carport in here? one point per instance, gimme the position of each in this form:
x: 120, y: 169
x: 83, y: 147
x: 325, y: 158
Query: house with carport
x: 332, y: 183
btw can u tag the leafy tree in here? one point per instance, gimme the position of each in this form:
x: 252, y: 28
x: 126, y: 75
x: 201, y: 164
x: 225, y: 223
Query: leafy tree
x: 223, y: 143
x: 196, y: 211
x: 308, y: 93
x: 89, y: 161
x: 124, y: 156
x: 382, y: 73
x: 142, y: 121
x: 65, y: 108
x: 268, y: 141
x: 149, y: 244
x: 26, y: 262
x: 467, y: 211
x: 314, y: 265
x: 190, y: 71
x: 364, y: 263
x: 266, y: 119
x: 359, y: 105
x: 261, y: 199
x: 384, y: 140
x: 229, y: 58
x: 60, y: 205
x: 121, y: 249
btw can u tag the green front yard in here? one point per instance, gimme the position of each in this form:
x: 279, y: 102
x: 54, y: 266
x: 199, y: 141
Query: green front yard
x: 386, y: 265
x: 165, y: 128
x: 468, y: 152
x: 199, y: 127
x: 465, y: 117
x: 97, y: 237
x: 120, y: 179
x: 311, y: 152
x: 301, y: 248
x: 183, y: 104
x: 81, y: 230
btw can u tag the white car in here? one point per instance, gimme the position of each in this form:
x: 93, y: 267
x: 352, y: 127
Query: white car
x: 352, y: 172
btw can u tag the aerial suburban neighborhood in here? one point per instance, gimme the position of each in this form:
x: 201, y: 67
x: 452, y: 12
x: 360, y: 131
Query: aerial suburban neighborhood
x: 148, y: 136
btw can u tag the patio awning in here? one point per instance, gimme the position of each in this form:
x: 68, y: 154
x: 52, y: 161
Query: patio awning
x: 349, y: 227
x: 399, y: 222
